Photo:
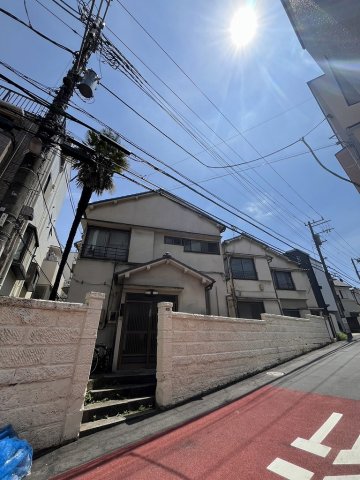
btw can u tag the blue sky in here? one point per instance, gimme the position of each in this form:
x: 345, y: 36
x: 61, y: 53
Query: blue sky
x: 261, y: 89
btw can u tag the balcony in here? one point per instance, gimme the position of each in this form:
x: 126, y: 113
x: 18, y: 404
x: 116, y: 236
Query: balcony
x: 119, y: 254
x: 21, y: 101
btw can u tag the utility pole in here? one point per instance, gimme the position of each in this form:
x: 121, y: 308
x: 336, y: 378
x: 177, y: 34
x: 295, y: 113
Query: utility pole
x: 50, y: 127
x: 318, y: 242
x: 356, y: 270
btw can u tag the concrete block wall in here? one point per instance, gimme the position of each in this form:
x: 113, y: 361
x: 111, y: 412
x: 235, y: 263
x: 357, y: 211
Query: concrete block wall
x: 197, y: 353
x: 46, y: 350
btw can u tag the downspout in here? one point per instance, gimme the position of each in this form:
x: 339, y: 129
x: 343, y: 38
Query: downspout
x: 232, y: 285
x: 269, y: 260
x: 207, y: 298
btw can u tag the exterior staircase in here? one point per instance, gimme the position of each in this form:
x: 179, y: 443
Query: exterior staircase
x: 113, y: 398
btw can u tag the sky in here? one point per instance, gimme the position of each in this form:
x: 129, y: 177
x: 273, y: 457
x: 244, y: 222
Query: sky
x: 240, y: 105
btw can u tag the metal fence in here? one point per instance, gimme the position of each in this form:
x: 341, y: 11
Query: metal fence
x: 21, y: 101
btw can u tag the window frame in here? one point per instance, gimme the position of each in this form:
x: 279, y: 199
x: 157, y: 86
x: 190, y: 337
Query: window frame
x: 244, y: 277
x: 276, y: 281
x: 85, y: 253
x: 189, y: 246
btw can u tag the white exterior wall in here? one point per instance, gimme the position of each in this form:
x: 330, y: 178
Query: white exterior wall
x: 54, y: 195
x: 45, y: 358
x: 197, y: 353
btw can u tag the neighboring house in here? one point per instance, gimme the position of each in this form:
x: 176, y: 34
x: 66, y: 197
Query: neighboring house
x: 320, y: 286
x: 261, y: 279
x: 27, y: 266
x: 349, y: 299
x: 142, y: 249
x: 329, y: 31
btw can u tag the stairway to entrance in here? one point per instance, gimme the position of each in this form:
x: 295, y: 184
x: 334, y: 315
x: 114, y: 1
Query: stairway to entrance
x: 113, y: 398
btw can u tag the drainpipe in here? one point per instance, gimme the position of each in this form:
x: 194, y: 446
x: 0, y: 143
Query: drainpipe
x: 232, y: 285
x: 269, y: 260
x: 207, y: 298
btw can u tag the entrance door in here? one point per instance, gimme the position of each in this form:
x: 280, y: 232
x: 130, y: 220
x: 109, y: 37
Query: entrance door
x: 139, y: 331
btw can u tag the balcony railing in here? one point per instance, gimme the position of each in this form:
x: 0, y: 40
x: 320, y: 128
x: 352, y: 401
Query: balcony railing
x: 106, y: 253
x: 21, y: 101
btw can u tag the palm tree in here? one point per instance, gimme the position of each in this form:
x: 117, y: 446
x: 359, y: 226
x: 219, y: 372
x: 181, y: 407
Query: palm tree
x: 93, y: 176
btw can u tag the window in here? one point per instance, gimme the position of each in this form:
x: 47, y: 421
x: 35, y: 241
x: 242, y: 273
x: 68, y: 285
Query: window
x: 106, y: 244
x: 283, y: 280
x: 250, y: 310
x: 243, y: 268
x: 196, y: 246
x: 24, y: 253
x: 291, y: 312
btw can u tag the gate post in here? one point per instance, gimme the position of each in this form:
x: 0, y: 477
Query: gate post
x: 164, y: 355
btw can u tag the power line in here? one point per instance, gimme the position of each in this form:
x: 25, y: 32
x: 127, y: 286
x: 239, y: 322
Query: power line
x: 263, y: 193
x: 42, y: 35
x: 67, y: 8
x: 58, y: 18
x: 328, y: 169
x: 212, y: 103
x: 259, y: 189
x: 147, y: 153
x: 155, y: 127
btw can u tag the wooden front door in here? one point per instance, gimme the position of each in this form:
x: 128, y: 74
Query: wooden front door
x: 139, y: 331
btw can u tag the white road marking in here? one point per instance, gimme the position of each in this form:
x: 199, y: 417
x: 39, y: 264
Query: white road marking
x: 343, y: 477
x: 289, y: 470
x: 314, y: 445
x: 349, y: 457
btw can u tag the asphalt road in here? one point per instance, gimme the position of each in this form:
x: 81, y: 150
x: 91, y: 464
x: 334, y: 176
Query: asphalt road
x: 304, y: 426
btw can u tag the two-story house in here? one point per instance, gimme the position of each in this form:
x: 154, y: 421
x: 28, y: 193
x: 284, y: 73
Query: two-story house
x: 261, y: 279
x: 142, y: 249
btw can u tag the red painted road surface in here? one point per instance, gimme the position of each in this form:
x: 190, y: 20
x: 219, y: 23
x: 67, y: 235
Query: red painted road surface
x: 241, y: 440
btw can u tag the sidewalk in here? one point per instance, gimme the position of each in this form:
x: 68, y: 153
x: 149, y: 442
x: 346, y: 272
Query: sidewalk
x: 100, y: 447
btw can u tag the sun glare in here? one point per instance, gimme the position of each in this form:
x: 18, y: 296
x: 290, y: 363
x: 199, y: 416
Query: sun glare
x: 243, y: 26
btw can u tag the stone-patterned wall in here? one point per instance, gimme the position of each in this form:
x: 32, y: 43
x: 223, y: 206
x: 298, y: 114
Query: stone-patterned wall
x: 46, y: 350
x: 197, y: 353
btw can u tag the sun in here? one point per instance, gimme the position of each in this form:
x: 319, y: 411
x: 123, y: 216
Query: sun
x: 243, y: 26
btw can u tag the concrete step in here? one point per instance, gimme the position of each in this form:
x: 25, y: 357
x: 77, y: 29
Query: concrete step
x: 120, y: 392
x: 106, y: 380
x: 111, y: 408
x: 89, y: 428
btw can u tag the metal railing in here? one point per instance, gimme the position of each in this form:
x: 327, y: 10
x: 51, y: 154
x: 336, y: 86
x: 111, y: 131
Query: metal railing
x: 106, y: 253
x: 21, y: 101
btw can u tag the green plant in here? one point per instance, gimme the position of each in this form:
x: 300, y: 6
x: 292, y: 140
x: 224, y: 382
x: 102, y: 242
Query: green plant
x: 88, y: 398
x: 341, y: 336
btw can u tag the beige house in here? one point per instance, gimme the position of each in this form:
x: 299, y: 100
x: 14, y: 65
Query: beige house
x: 140, y: 250
x: 263, y: 280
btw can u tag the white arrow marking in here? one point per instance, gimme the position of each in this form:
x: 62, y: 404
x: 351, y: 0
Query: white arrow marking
x: 349, y: 457
x: 289, y: 470
x: 343, y: 477
x: 314, y: 445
